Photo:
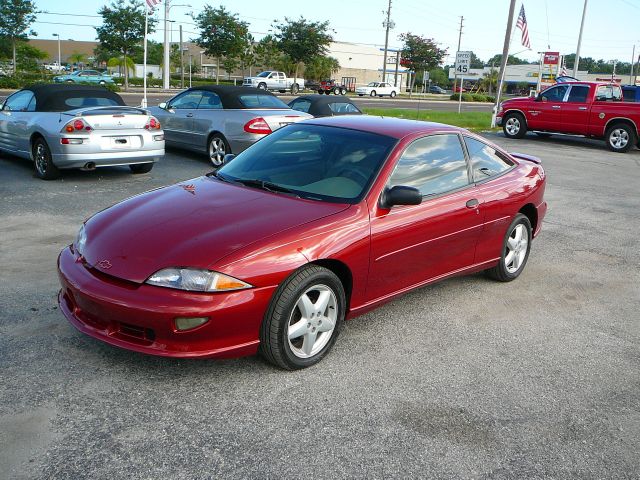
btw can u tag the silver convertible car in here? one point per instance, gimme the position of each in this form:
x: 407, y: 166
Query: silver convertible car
x: 222, y: 119
x: 78, y: 126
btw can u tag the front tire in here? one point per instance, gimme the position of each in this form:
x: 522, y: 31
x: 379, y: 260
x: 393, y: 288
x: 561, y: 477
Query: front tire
x: 336, y: 90
x: 373, y: 93
x: 217, y: 149
x: 303, y: 319
x: 620, y: 138
x: 141, y: 168
x: 515, y: 250
x: 514, y: 125
x: 45, y: 169
x: 262, y: 86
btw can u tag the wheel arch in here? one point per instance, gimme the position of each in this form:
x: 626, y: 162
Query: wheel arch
x: 613, y: 121
x: 211, y: 134
x: 34, y: 136
x: 342, y: 271
x: 530, y: 211
x: 515, y: 110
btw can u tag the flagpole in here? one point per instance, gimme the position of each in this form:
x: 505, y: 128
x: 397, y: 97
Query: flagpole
x: 144, y: 59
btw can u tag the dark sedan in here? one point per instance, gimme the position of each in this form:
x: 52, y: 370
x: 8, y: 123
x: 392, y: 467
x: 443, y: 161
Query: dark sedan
x: 324, y: 106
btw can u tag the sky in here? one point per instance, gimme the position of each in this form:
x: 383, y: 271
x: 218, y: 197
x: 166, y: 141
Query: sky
x: 610, y: 29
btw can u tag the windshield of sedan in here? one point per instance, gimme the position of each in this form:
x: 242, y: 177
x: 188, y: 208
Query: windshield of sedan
x: 373, y: 84
x: 312, y: 161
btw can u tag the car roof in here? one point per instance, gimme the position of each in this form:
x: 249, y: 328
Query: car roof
x: 51, y: 97
x: 229, y: 94
x: 320, y: 103
x: 389, y: 126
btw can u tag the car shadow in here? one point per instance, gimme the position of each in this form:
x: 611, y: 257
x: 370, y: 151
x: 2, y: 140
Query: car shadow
x: 556, y: 139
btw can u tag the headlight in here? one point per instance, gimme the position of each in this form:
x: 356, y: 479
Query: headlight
x: 500, y: 107
x: 81, y: 240
x: 195, y: 280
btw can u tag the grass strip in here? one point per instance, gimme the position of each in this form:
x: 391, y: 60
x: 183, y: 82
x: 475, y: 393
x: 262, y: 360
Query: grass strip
x: 476, y: 121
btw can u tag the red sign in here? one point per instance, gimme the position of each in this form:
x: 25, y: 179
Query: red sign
x: 551, y: 58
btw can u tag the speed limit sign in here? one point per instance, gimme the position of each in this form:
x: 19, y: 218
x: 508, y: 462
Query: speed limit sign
x: 463, y: 62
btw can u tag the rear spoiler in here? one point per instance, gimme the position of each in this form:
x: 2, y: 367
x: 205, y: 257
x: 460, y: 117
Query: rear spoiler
x: 80, y: 111
x: 528, y: 158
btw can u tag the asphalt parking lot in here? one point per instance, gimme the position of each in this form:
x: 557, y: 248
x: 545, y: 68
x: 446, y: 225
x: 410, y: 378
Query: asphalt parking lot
x: 469, y: 378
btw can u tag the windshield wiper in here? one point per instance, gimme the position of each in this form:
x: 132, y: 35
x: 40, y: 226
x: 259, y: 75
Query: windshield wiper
x: 220, y: 177
x: 265, y: 185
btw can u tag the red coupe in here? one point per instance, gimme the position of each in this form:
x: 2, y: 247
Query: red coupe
x: 320, y: 221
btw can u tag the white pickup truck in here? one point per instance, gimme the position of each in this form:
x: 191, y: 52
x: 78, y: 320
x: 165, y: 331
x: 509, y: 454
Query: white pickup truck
x: 271, y: 80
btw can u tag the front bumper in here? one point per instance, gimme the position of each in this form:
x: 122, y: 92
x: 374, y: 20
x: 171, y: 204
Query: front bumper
x: 141, y: 317
x: 499, y: 121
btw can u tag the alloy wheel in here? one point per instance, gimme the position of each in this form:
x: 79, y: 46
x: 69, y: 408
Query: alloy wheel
x: 512, y: 125
x: 312, y: 321
x: 41, y: 158
x: 517, y: 244
x: 217, y: 151
x: 619, y: 138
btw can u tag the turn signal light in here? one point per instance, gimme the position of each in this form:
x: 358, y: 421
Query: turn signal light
x: 152, y: 124
x: 257, y: 125
x: 76, y: 126
x: 188, y: 323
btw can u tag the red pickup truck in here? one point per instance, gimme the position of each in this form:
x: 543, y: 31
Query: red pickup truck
x: 591, y: 109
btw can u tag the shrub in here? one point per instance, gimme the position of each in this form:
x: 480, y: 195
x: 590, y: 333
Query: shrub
x: 478, y: 97
x: 466, y: 97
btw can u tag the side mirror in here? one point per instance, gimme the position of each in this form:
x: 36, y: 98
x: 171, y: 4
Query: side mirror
x: 227, y: 158
x: 400, y: 195
x: 163, y: 105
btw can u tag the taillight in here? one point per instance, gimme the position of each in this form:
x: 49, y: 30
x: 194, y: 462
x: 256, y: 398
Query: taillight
x: 77, y: 126
x: 152, y: 124
x: 257, y: 125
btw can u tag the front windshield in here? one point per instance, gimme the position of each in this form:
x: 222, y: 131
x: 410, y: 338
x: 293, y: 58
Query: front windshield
x: 373, y: 84
x: 264, y: 74
x: 312, y: 161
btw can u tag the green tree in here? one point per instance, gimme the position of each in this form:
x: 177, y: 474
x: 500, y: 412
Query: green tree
x: 154, y: 53
x: 78, y: 58
x: 16, y: 16
x: 267, y: 53
x: 419, y: 53
x: 302, y: 40
x: 123, y: 63
x: 229, y: 64
x: 511, y: 60
x: 123, y: 29
x: 439, y: 76
x: 247, y: 56
x: 321, y: 68
x: 475, y: 61
x: 222, y: 33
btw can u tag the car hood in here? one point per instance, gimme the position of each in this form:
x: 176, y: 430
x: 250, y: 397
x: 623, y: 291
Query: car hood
x: 192, y: 224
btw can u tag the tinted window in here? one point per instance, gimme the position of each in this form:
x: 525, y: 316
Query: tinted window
x: 317, y: 162
x: 19, y: 102
x: 433, y: 165
x: 343, y: 107
x: 81, y: 102
x: 608, y: 92
x: 257, y: 100
x: 555, y: 94
x: 485, y: 161
x: 578, y: 94
x: 301, y: 105
x: 210, y: 101
x: 187, y: 100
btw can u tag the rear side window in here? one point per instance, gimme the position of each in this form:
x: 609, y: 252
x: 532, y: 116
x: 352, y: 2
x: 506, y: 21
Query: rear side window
x: 343, y: 107
x: 434, y: 164
x: 83, y: 102
x: 210, y: 101
x: 611, y: 93
x: 578, y: 94
x: 485, y: 160
x: 301, y: 105
x: 256, y: 100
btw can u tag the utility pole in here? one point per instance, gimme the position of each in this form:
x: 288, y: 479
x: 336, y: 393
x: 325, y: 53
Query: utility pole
x: 633, y: 64
x: 503, y: 63
x: 165, y: 66
x: 181, y: 60
x: 575, y: 65
x: 388, y: 25
x: 455, y: 74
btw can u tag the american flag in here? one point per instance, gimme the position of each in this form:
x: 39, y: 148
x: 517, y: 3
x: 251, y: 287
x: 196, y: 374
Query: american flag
x: 522, y: 25
x: 563, y: 72
x: 152, y: 3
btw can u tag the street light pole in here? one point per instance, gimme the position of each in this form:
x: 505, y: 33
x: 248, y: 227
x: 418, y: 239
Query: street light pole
x: 575, y: 64
x: 59, y: 56
x: 165, y: 66
x: 181, y: 60
x: 387, y: 24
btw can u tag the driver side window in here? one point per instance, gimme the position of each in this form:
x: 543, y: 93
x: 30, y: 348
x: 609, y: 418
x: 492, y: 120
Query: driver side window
x: 186, y: 101
x: 555, y: 94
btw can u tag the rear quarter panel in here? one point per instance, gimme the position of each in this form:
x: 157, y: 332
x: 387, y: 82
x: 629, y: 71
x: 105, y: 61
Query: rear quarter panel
x: 603, y: 113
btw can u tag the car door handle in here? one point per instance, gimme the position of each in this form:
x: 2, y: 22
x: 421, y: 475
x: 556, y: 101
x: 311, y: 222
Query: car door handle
x: 189, y: 115
x: 473, y: 203
x: 555, y: 107
x: 582, y: 108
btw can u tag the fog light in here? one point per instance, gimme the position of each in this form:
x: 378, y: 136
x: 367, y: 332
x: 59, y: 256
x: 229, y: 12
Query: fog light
x: 158, y: 138
x: 71, y: 141
x: 187, y: 323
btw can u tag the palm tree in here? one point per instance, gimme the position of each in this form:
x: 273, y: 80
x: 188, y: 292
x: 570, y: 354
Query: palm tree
x: 77, y: 58
x: 122, y: 62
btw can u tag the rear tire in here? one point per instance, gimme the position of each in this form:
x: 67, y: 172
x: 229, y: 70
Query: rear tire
x: 515, y: 250
x: 320, y: 92
x: 295, y: 89
x: 217, y: 149
x: 304, y: 318
x: 45, y: 169
x: 620, y: 138
x: 343, y: 91
x: 141, y: 168
x: 336, y: 90
x: 393, y: 94
x: 373, y: 93
x: 514, y: 125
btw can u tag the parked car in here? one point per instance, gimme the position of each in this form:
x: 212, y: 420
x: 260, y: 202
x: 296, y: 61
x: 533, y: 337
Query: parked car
x: 54, y: 67
x: 271, y: 80
x: 437, y: 89
x: 222, y: 119
x: 323, y: 106
x: 331, y: 86
x: 319, y: 222
x: 84, y: 76
x: 378, y: 89
x: 78, y: 126
x: 592, y: 109
x: 459, y: 89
